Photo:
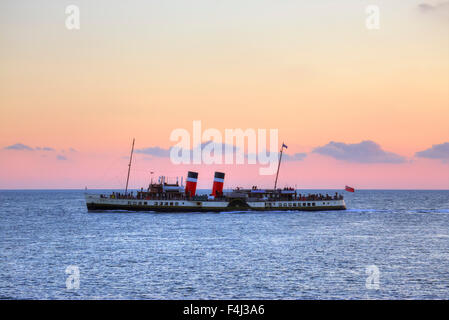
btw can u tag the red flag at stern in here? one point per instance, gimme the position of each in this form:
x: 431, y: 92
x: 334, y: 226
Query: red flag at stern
x: 349, y: 189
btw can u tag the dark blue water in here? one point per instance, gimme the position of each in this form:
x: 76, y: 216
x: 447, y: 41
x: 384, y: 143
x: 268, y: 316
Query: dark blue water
x: 278, y: 255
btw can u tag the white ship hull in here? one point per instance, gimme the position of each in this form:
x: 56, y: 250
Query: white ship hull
x: 96, y: 202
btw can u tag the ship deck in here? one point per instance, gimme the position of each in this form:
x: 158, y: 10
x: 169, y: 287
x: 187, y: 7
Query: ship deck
x: 95, y: 203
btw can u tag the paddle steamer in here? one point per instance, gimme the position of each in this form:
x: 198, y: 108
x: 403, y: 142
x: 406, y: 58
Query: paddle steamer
x: 163, y: 196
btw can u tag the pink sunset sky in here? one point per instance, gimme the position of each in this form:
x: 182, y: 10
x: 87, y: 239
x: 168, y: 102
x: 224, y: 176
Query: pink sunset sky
x: 359, y: 107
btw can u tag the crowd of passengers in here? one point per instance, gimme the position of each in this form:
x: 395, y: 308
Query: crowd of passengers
x: 318, y: 196
x: 177, y: 196
x: 118, y: 195
x: 309, y: 197
x: 154, y: 196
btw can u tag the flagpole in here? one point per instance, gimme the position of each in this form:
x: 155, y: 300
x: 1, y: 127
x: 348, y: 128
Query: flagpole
x: 279, y: 165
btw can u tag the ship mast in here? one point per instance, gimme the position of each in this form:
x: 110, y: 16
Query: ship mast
x: 129, y: 167
x: 279, y: 165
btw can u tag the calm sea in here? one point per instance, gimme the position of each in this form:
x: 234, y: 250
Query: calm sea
x: 387, y: 245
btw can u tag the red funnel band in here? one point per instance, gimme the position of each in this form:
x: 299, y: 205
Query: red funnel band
x: 190, y: 188
x: 217, y: 187
x: 192, y: 178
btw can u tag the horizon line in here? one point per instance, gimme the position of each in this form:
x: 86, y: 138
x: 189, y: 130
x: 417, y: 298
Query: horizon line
x: 83, y: 189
